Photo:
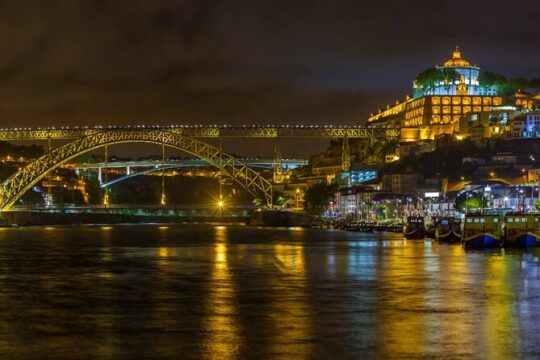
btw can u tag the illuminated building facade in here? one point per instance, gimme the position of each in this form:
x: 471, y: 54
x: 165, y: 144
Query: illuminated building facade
x: 466, y: 82
x: 436, y: 108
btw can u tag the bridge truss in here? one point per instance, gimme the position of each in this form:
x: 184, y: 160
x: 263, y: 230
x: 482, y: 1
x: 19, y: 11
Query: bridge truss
x: 270, y: 131
x: 14, y: 187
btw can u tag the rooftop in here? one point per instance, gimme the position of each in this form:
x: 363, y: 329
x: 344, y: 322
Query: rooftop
x: 457, y: 60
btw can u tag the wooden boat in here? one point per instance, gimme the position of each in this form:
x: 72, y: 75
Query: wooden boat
x: 415, y: 228
x: 448, y: 229
x: 522, y: 230
x: 482, y: 231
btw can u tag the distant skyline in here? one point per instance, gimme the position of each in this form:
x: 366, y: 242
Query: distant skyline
x: 161, y: 61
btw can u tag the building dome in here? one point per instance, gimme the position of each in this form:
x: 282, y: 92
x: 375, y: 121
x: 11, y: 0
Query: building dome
x: 457, y: 60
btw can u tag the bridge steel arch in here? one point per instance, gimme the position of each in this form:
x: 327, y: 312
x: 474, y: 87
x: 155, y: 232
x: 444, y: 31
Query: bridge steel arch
x: 161, y: 168
x: 15, y: 186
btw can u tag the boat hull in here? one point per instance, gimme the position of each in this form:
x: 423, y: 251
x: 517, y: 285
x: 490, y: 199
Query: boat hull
x: 482, y: 241
x: 449, y: 237
x: 523, y: 240
x: 415, y: 234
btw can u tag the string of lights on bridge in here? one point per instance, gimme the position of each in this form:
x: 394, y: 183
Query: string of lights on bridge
x: 195, y: 126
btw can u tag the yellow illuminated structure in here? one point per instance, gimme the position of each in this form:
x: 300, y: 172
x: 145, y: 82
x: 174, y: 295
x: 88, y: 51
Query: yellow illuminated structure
x: 437, y: 109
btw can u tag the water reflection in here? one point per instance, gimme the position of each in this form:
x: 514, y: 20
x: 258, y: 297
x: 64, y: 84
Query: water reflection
x: 238, y: 292
x: 291, y: 316
x: 499, y: 328
x: 402, y: 301
x: 221, y: 327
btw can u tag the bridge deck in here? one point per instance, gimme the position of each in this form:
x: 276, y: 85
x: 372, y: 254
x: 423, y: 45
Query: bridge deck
x: 257, y: 131
x: 292, y: 163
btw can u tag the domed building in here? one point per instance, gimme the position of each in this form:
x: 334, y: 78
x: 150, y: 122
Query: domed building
x: 464, y: 82
x: 441, y: 96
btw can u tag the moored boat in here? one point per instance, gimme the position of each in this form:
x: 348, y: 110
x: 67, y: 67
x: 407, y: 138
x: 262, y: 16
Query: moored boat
x: 522, y: 230
x: 482, y: 231
x: 415, y: 228
x: 448, y: 229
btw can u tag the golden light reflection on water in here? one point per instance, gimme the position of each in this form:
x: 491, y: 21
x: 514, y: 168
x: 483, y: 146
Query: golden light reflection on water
x: 401, y: 291
x: 164, y: 255
x: 498, y: 329
x: 291, y: 315
x: 221, y: 326
x: 420, y: 281
x: 451, y: 330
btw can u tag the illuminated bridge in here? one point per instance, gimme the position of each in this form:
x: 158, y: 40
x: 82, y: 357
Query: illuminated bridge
x: 134, y: 168
x: 209, y: 131
x: 79, y: 140
x: 288, y: 163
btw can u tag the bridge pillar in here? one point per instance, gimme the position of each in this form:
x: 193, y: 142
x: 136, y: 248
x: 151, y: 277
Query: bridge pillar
x: 128, y: 170
x: 100, y: 176
x: 345, y: 155
x: 163, y: 200
x: 49, y: 200
x: 278, y: 170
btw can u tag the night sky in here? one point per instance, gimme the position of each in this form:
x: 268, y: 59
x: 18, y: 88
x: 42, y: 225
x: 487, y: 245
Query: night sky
x: 73, y: 62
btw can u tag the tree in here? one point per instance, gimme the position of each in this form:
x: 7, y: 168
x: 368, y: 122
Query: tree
x: 470, y: 200
x: 317, y: 197
x: 279, y: 199
x: 488, y: 78
x: 537, y: 204
x: 432, y: 77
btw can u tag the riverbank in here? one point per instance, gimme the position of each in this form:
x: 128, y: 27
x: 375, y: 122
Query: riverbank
x: 31, y: 218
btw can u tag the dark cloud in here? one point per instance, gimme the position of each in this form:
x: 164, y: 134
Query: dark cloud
x: 231, y: 61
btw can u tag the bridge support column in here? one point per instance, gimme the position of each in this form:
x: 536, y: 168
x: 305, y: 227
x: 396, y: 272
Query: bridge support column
x: 100, y: 176
x: 128, y: 170
x: 106, y: 200
x: 278, y: 170
x: 163, y: 200
x: 49, y: 201
x: 345, y: 155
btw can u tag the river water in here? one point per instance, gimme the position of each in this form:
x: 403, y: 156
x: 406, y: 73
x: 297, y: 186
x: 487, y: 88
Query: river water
x: 219, y: 292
